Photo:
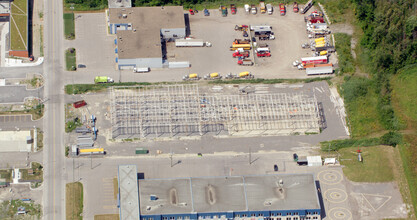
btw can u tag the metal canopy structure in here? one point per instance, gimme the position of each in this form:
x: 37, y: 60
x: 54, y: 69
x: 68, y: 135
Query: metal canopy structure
x: 182, y: 110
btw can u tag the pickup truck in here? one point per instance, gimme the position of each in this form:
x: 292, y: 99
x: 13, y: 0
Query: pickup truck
x: 224, y: 11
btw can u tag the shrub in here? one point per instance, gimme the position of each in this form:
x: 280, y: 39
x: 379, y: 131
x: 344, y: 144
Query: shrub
x: 391, y: 138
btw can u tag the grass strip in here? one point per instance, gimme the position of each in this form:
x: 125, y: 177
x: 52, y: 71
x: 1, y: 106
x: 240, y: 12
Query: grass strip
x: 74, y: 201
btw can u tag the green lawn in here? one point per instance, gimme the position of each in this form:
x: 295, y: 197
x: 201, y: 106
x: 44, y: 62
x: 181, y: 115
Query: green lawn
x: 74, y: 201
x: 69, y: 26
x: 376, y: 165
x: 70, y: 60
x: 18, y: 25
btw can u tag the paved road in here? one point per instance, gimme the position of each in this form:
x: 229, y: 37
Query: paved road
x: 53, y: 194
x: 17, y: 94
x: 19, y: 72
x: 23, y: 122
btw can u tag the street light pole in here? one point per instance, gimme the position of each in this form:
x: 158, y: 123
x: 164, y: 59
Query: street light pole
x: 250, y: 156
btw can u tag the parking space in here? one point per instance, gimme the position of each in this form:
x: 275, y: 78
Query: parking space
x: 18, y: 94
x: 95, y: 49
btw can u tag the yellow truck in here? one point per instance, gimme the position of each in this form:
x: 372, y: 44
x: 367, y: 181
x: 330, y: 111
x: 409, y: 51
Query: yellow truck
x: 244, y: 46
x: 212, y: 76
x: 192, y: 76
x: 241, y: 75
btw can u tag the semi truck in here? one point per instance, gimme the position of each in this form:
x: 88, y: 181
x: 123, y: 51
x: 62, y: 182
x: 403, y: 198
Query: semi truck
x: 240, y: 41
x: 192, y: 76
x: 241, y: 54
x: 319, y: 70
x: 141, y: 69
x: 262, y: 7
x: 269, y: 8
x: 244, y: 46
x: 189, y: 43
x: 316, y: 60
x: 263, y: 54
x: 312, y: 65
x: 103, y: 79
x: 242, y: 75
x: 90, y: 151
x: 212, y: 76
x: 245, y: 62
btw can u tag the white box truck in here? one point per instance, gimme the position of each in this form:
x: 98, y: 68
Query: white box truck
x: 319, y: 70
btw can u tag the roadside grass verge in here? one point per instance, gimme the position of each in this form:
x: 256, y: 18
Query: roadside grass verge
x: 85, y: 88
x: 9, y: 210
x: 115, y: 187
x: 376, y: 165
x: 74, y: 201
x: 18, y: 25
x: 404, y: 91
x: 69, y: 26
x: 343, y: 48
x: 70, y: 59
x: 107, y: 217
x: 361, y: 103
x: 37, y: 172
x: 6, y: 174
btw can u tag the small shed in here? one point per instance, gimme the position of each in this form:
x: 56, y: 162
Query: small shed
x: 314, y: 161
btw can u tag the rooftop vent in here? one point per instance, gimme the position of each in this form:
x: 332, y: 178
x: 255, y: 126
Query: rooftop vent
x: 148, y: 208
x: 173, y: 195
x: 124, y: 15
x: 154, y: 197
x: 267, y: 203
x: 211, y: 194
x: 280, y: 191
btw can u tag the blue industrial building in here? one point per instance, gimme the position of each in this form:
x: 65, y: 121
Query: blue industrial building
x: 272, y: 197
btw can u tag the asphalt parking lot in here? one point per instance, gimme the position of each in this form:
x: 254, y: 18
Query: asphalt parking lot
x: 18, y: 94
x: 95, y: 48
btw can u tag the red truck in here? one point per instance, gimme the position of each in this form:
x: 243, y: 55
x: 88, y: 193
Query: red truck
x: 245, y: 62
x: 263, y: 54
x: 282, y: 9
x: 79, y: 104
x: 233, y: 8
x: 241, y: 54
x: 295, y: 7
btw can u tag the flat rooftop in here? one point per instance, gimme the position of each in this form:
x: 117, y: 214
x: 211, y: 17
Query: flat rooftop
x: 120, y: 3
x: 4, y: 8
x: 144, y: 40
x: 14, y: 141
x: 222, y: 194
x: 128, y: 190
x: 139, y: 44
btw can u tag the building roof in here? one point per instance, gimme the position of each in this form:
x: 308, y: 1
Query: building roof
x: 139, y: 44
x: 223, y: 194
x: 128, y: 190
x: 120, y: 3
x: 4, y: 8
x: 144, y: 40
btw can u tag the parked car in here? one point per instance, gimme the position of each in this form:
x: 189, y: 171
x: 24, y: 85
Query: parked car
x: 206, y: 12
x: 275, y: 167
x: 245, y: 34
x: 191, y: 11
x: 81, y: 66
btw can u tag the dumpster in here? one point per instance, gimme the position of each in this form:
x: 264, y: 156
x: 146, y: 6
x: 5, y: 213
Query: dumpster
x: 141, y: 150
